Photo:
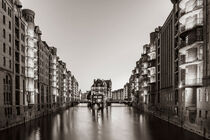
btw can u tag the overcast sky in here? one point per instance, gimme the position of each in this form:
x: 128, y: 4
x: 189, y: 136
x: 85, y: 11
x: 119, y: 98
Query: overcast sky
x: 99, y: 38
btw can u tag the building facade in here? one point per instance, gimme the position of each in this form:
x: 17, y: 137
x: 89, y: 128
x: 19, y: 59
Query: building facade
x: 33, y: 80
x: 53, y: 77
x: 102, y: 87
x: 127, y: 95
x: 118, y: 94
x: 7, y: 74
x: 174, y: 72
x: 193, y: 46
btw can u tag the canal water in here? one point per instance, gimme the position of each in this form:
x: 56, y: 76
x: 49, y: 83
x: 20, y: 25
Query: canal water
x: 115, y: 123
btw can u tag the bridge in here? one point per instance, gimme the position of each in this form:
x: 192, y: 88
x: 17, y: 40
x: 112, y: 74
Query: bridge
x: 84, y: 101
x: 109, y: 102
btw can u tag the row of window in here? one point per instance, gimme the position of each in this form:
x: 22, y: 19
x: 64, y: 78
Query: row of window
x: 7, y: 90
x: 4, y: 49
x: 17, y: 69
x: 17, y: 24
x: 206, y: 96
x: 18, y: 48
x: 8, y: 111
x: 4, y: 35
x: 5, y: 62
x: 17, y: 57
x: 4, y: 22
x: 206, y: 114
x: 16, y: 33
x: 7, y: 98
x: 4, y: 7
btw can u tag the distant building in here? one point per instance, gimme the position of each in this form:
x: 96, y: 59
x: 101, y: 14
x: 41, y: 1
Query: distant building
x: 127, y: 95
x: 44, y: 95
x: 109, y: 89
x: 75, y: 89
x: 118, y: 94
x: 102, y: 87
x: 84, y: 96
x: 131, y: 89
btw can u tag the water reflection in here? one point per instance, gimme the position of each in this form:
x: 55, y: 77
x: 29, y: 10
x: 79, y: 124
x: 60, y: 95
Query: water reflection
x: 114, y: 123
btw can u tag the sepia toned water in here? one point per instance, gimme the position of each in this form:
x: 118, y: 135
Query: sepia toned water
x: 115, y: 123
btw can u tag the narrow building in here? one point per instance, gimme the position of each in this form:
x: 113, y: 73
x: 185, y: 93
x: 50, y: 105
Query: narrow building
x: 166, y: 99
x: 31, y: 60
x: 53, y: 77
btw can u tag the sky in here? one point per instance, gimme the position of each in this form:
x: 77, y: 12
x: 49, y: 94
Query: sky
x: 99, y: 38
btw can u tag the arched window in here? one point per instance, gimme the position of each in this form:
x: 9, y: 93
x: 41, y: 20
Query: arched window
x: 7, y: 79
x: 7, y: 94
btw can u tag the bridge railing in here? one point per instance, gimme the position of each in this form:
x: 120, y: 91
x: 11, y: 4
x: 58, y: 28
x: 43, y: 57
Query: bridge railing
x: 123, y: 101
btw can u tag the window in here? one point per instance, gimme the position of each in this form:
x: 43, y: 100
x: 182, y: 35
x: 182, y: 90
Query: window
x: 22, y: 59
x: 17, y: 97
x: 206, y: 115
x: 10, y: 38
x: 18, y: 109
x: 199, y: 113
x: 207, y: 96
x: 200, y: 97
x: 9, y: 12
x: 4, y: 82
x: 17, y: 83
x: 4, y: 6
x: 17, y: 44
x: 10, y: 51
x: 17, y: 56
x: 16, y: 21
x: 7, y: 95
x: 17, y: 33
x: 22, y: 37
x: 23, y: 70
x: 4, y: 59
x: 4, y: 33
x: 17, y: 68
x: 10, y: 25
x: 4, y: 48
x: 23, y: 92
x: 10, y: 64
x: 4, y: 19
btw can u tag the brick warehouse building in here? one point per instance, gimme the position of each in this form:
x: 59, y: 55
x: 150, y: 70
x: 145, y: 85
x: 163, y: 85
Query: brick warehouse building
x: 31, y: 74
x: 182, y: 68
x: 193, y: 47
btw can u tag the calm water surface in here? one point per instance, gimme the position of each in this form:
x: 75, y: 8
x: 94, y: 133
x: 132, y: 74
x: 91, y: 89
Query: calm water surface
x: 81, y: 123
